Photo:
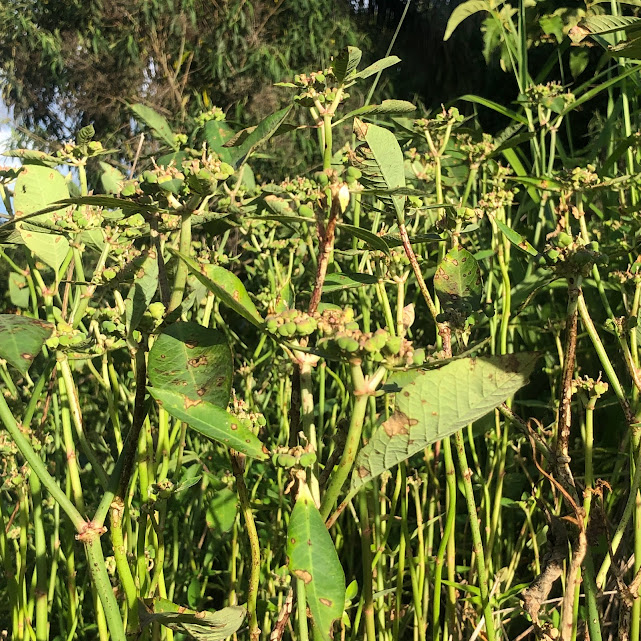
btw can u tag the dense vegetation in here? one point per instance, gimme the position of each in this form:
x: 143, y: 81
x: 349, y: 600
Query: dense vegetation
x: 393, y: 397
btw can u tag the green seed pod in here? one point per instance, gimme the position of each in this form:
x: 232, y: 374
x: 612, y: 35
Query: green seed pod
x: 320, y: 77
x: 551, y: 255
x: 418, y: 357
x: 305, y: 211
x: 128, y: 188
x: 351, y: 326
x: 322, y: 178
x: 393, y: 344
x: 306, y: 327
x: 308, y: 459
x: 272, y: 325
x: 564, y: 239
x: 286, y: 460
x: 150, y: 177
x: 353, y: 174
x: 109, y: 274
x: 594, y: 246
x: 157, y: 310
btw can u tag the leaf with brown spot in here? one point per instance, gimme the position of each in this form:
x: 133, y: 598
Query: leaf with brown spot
x: 21, y: 339
x: 437, y: 403
x: 313, y: 558
x: 211, y: 421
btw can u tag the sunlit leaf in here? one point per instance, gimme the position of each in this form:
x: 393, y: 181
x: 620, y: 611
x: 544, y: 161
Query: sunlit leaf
x: 21, y: 339
x: 157, y: 123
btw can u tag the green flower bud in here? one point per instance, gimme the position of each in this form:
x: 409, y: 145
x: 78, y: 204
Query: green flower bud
x: 393, y: 344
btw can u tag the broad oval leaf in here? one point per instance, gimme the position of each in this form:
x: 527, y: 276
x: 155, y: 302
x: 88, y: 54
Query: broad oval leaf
x: 457, y: 282
x: 313, y: 559
x: 202, y: 626
x: 376, y: 67
x: 222, y: 511
x: 193, y: 360
x: 21, y: 339
x: 225, y: 286
x: 50, y: 248
x: 217, y: 133
x: 211, y: 421
x: 438, y: 403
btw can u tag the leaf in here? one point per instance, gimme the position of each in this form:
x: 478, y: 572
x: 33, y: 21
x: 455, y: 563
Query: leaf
x: 21, y: 339
x: 38, y: 187
x: 18, y: 290
x: 438, y: 403
x: 376, y: 67
x: 605, y: 24
x: 495, y: 106
x: 313, y: 559
x: 516, y: 239
x: 202, y: 626
x: 368, y: 237
x: 111, y: 178
x: 222, y: 511
x: 457, y: 282
x: 463, y: 11
x: 389, y: 107
x: 142, y: 291
x: 32, y: 155
x: 260, y: 134
x: 193, y: 360
x: 211, y: 421
x: 579, y: 59
x: 346, y: 63
x: 387, y: 170
x: 347, y: 280
x: 217, y: 133
x: 225, y: 286
x: 157, y: 123
x: 50, y: 248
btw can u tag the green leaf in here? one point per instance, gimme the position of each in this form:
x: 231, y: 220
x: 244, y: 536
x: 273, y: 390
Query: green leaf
x: 38, y: 187
x: 211, y: 421
x: 222, y: 511
x: 516, y: 239
x: 21, y: 339
x: 369, y: 238
x: 194, y: 360
x: 389, y: 107
x: 495, y: 106
x: 142, y: 291
x: 18, y: 290
x: 260, y: 134
x: 202, y: 626
x: 50, y: 248
x: 347, y: 280
x: 382, y: 165
x: 157, y: 123
x: 346, y: 63
x: 579, y: 59
x: 217, y: 133
x: 379, y: 65
x: 111, y: 178
x: 225, y: 286
x: 313, y: 560
x: 605, y: 24
x: 457, y: 282
x: 438, y: 403
x: 462, y: 12
x: 32, y: 155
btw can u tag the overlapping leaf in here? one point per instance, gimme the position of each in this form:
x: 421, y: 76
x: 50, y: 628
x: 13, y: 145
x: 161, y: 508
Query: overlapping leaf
x: 21, y: 339
x: 438, y: 403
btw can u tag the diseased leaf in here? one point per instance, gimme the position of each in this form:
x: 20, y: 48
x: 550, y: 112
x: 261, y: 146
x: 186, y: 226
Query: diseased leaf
x: 210, y: 421
x: 193, y: 360
x: 111, y: 178
x: 38, y: 187
x: 313, y: 559
x: 21, y: 339
x: 224, y: 285
x: 157, y: 123
x: 18, y: 290
x: 457, y: 283
x: 346, y: 63
x: 202, y: 626
x: 463, y: 11
x: 217, y: 133
x: 438, y: 403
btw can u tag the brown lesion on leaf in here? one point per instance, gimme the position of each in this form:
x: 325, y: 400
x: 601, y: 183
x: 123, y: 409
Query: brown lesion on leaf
x: 201, y: 391
x: 363, y: 471
x: 303, y: 575
x: 191, y: 344
x: 328, y: 602
x: 236, y: 295
x: 233, y: 426
x: 27, y: 357
x: 197, y: 362
x: 398, y: 424
x: 191, y: 403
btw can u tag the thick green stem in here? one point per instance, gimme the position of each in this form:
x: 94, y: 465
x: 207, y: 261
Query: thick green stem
x: 182, y: 271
